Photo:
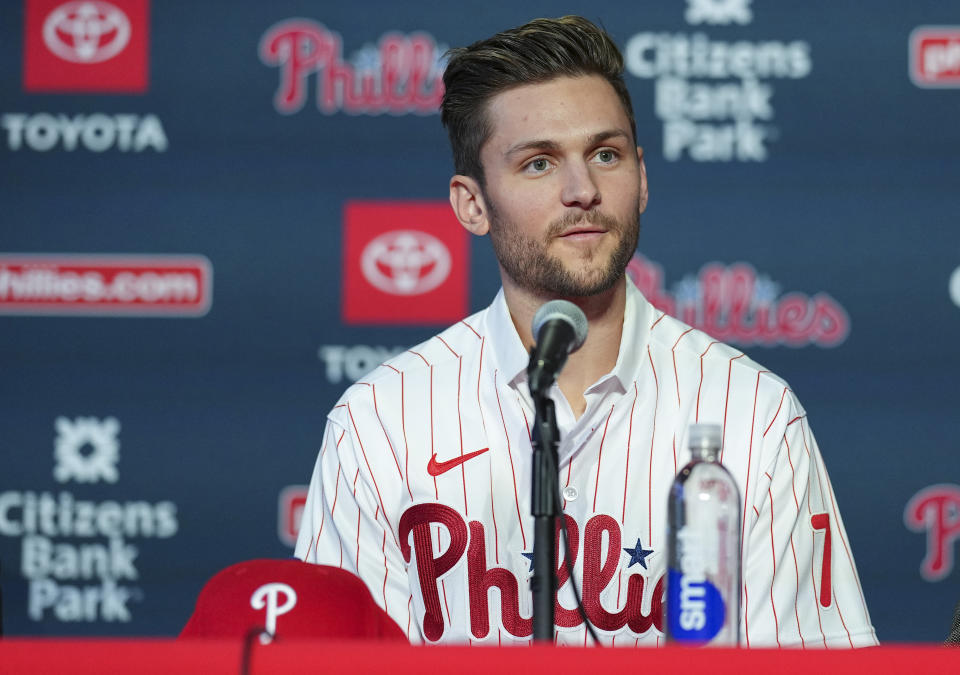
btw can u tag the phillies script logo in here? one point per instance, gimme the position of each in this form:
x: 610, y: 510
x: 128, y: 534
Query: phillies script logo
x: 468, y: 540
x: 87, y: 45
x: 402, y: 74
x: 404, y: 262
x: 131, y: 285
x: 268, y: 597
x: 935, y: 56
x: 936, y: 510
x: 734, y: 304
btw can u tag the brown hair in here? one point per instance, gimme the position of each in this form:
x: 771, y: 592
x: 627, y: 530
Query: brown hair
x: 535, y: 52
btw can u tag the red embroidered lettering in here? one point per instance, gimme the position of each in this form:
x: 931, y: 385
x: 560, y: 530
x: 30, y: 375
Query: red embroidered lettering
x: 418, y: 519
x: 481, y: 580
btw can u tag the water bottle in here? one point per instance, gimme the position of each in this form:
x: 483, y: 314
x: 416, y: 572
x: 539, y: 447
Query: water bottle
x: 703, y: 548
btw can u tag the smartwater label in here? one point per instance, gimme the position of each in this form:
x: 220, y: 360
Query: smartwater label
x: 695, y: 607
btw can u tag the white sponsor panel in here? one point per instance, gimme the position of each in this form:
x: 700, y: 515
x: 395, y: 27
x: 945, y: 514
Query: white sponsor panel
x: 76, y: 556
x: 95, y: 132
x: 714, y: 96
x: 90, y: 31
x: 955, y: 287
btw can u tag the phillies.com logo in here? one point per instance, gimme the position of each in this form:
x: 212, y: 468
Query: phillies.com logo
x: 735, y: 304
x: 935, y: 56
x: 402, y: 74
x: 936, y: 510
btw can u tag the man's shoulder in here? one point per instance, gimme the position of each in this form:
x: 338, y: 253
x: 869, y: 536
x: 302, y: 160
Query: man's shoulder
x: 458, y: 344
x: 673, y: 339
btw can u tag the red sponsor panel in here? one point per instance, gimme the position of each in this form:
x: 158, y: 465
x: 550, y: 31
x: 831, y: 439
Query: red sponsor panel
x: 935, y: 56
x: 86, y: 46
x: 289, y: 511
x: 404, y: 263
x: 103, y: 285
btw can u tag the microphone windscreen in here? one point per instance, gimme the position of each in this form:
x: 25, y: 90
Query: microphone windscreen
x: 564, y: 311
x: 290, y: 598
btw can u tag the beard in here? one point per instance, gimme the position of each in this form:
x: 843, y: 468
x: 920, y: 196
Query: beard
x: 527, y: 262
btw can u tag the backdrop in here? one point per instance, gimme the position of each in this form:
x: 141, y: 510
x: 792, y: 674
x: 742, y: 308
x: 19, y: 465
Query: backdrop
x: 214, y: 216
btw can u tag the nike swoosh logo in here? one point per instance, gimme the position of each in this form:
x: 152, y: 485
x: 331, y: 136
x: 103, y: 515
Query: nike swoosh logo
x: 435, y: 468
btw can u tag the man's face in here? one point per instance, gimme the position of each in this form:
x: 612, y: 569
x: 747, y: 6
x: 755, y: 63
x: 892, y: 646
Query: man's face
x: 564, y: 186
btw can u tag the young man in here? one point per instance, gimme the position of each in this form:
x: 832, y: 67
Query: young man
x: 422, y: 486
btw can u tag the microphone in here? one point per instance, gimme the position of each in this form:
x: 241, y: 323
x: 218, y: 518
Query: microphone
x: 560, y: 328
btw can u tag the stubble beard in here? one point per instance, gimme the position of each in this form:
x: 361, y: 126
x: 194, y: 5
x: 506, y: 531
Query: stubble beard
x: 527, y: 262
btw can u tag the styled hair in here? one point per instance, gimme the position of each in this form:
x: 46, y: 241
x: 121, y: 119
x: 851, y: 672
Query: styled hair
x: 536, y: 52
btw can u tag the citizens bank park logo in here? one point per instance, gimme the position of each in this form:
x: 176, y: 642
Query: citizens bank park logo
x: 715, y: 94
x: 935, y: 56
x: 401, y: 74
x: 404, y: 262
x: 86, y: 46
x: 734, y: 304
x: 75, y: 553
x: 936, y: 510
x: 105, y: 285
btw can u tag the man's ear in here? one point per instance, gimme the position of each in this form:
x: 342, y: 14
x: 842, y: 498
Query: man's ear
x: 466, y: 198
x: 644, y: 193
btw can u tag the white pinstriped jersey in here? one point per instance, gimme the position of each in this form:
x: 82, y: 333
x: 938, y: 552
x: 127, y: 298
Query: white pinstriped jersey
x: 422, y: 488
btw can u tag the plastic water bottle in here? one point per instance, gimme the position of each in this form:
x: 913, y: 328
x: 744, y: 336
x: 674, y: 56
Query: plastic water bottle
x: 703, y: 542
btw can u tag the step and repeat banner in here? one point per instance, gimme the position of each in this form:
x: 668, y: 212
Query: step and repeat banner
x: 215, y: 216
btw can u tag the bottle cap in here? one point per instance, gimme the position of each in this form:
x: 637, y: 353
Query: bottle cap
x: 705, y: 436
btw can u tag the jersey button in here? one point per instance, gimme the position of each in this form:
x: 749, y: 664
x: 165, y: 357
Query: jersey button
x: 570, y: 493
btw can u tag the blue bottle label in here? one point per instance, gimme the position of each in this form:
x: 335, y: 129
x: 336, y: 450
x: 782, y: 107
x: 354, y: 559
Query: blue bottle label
x: 695, y: 607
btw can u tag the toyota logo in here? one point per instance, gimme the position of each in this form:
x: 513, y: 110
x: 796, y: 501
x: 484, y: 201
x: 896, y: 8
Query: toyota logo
x: 405, y: 262
x: 86, y: 32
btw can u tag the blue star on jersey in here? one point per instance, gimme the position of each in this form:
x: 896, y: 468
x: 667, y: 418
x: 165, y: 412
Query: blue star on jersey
x: 529, y: 556
x: 638, y: 554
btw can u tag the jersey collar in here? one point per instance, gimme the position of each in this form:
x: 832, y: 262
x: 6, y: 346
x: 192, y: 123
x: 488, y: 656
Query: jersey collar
x: 512, y: 358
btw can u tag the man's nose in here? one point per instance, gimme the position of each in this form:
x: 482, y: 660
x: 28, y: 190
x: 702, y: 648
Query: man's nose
x: 579, y: 187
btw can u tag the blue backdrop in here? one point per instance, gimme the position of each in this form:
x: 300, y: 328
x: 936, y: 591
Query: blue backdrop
x: 192, y: 263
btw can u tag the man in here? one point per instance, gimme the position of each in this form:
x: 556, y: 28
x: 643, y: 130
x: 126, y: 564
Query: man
x: 422, y: 485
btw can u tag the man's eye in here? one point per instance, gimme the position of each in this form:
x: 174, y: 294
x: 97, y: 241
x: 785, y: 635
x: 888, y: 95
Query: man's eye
x: 606, y: 156
x: 539, y: 164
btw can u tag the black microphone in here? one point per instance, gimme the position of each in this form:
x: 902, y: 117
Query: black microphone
x: 560, y: 328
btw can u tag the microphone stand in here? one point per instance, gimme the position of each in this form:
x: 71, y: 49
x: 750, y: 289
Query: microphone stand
x: 546, y: 483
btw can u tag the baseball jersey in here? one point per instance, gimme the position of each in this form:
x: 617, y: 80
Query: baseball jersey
x: 422, y: 489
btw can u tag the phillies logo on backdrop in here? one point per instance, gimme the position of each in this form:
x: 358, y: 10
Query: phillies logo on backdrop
x: 404, y: 262
x: 86, y: 46
x: 735, y: 304
x: 402, y: 74
x: 936, y: 510
x: 935, y: 56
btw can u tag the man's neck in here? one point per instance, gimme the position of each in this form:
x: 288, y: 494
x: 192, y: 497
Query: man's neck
x: 597, y: 356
